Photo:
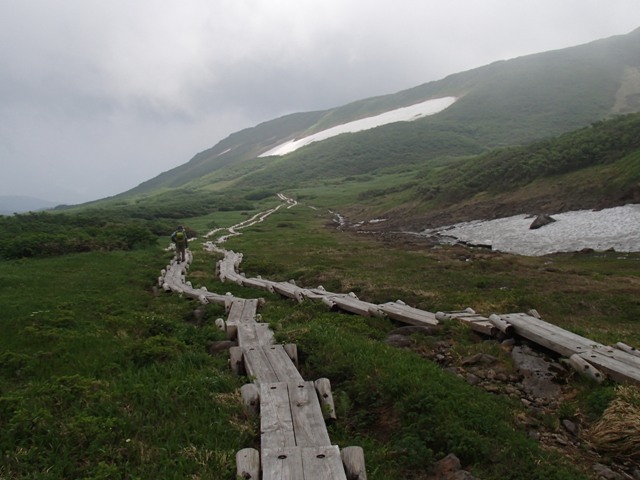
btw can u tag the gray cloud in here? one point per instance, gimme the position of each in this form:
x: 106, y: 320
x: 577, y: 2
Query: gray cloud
x: 96, y: 97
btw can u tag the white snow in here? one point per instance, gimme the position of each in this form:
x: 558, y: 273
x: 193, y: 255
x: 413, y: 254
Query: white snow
x: 405, y: 114
x: 617, y: 228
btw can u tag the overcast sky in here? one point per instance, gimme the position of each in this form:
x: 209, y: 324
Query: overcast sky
x: 98, y: 96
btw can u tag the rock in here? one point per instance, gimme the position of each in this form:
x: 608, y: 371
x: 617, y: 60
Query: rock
x: 398, y: 341
x: 449, y: 468
x: 541, y: 221
x: 570, y: 427
x: 538, y: 378
x: 473, y: 379
x: 480, y: 359
x: 415, y: 329
x: 606, y: 473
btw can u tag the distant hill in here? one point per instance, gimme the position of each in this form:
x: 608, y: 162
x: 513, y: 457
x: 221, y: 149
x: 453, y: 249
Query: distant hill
x: 540, y: 133
x: 504, y: 103
x: 10, y: 204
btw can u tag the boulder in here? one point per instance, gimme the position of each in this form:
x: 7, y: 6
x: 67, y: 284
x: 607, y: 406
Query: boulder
x: 541, y: 221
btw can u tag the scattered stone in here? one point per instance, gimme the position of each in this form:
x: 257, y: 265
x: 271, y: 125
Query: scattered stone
x: 541, y: 221
x: 398, y: 341
x: 538, y: 379
x: 570, y: 427
x: 606, y: 473
x: 415, y: 329
x: 473, y: 379
x: 449, y: 468
x: 480, y: 359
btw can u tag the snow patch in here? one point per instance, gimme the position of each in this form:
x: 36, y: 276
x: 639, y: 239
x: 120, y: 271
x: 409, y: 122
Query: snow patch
x: 405, y: 114
x: 617, y: 228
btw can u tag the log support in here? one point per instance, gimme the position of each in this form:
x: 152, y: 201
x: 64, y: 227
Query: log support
x: 353, y: 461
x: 248, y: 464
x: 323, y: 388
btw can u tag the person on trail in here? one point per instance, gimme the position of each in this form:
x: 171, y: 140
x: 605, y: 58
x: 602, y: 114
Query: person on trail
x: 180, y: 239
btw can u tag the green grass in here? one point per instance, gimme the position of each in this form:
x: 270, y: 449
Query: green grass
x: 100, y: 379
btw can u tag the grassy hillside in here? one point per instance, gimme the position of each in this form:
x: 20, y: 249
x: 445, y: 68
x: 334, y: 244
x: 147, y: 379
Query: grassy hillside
x: 102, y: 379
x: 505, y: 103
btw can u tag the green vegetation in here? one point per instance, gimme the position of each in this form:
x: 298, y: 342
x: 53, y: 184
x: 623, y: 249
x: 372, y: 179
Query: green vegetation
x: 102, y: 379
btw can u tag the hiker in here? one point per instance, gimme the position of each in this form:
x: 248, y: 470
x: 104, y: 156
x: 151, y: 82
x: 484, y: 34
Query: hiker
x: 179, y: 237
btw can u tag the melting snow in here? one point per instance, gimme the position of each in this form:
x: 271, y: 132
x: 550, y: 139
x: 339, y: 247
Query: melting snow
x: 405, y: 114
x: 617, y: 228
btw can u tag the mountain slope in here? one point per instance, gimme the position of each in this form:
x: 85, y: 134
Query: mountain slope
x: 504, y: 103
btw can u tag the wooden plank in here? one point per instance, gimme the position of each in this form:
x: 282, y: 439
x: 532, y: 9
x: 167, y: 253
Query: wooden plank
x: 353, y: 305
x: 288, y: 290
x: 257, y: 365
x: 282, y: 464
x: 303, y: 463
x: 407, y: 314
x: 567, y: 343
x: 323, y: 463
x: 308, y: 422
x: 247, y: 335
x: 264, y: 334
x: 281, y: 364
x: 276, y: 422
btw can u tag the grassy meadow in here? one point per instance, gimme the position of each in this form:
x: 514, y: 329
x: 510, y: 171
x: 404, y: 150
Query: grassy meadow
x: 102, y: 378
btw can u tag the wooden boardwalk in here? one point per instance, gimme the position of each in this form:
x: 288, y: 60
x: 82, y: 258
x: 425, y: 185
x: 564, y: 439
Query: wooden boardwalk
x: 295, y: 443
x: 620, y: 363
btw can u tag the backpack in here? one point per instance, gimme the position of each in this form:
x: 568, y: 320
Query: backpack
x: 180, y: 238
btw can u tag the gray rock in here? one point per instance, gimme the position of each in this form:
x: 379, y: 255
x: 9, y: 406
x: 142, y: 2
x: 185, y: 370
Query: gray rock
x: 221, y: 345
x: 398, y: 341
x: 415, y: 329
x: 606, y: 473
x: 570, y: 427
x: 541, y: 221
x: 538, y: 377
x: 480, y: 359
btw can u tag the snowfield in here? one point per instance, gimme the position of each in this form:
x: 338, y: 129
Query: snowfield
x: 617, y: 228
x: 405, y: 114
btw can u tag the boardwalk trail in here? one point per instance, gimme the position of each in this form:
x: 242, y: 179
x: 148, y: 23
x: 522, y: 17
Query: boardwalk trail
x: 294, y: 438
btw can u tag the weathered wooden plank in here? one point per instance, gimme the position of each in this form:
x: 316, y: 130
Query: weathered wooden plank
x: 308, y: 422
x: 353, y: 461
x: 323, y: 463
x: 281, y: 363
x: 276, y: 422
x: 353, y: 305
x: 282, y: 464
x: 264, y: 334
x: 406, y: 314
x: 257, y: 365
x: 567, y: 343
x: 288, y: 290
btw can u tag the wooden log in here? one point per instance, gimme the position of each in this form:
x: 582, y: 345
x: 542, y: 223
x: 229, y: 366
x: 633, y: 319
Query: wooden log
x: 329, y: 303
x: 220, y: 324
x: 248, y: 464
x: 251, y: 398
x: 627, y: 348
x: 585, y: 368
x: 236, y: 360
x: 323, y: 388
x: 353, y: 461
x: 500, y: 324
x: 292, y: 351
